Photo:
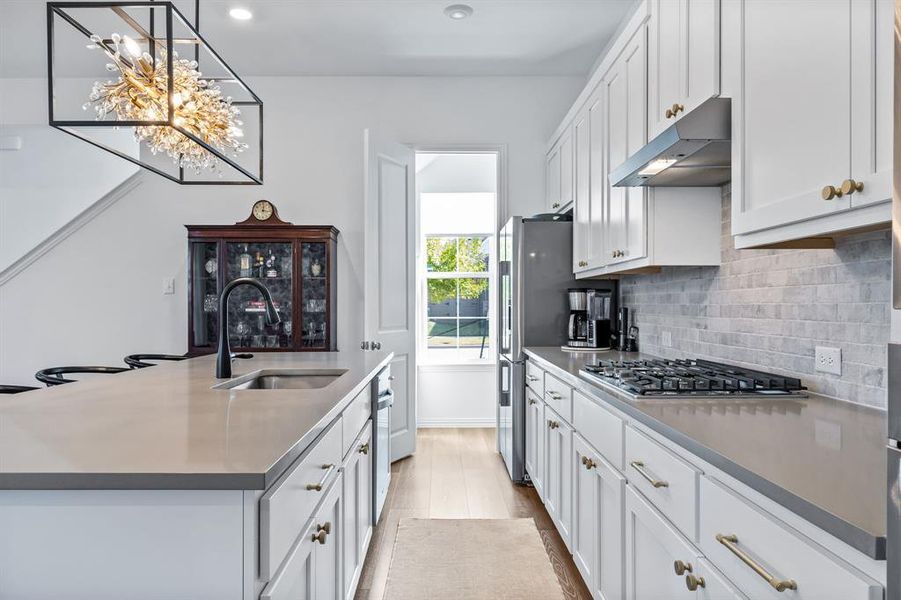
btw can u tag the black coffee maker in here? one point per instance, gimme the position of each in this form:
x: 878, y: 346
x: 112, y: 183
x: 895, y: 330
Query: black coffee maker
x: 600, y: 318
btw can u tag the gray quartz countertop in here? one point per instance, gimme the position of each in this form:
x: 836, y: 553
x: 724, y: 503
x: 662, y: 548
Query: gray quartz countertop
x: 823, y: 459
x: 164, y: 427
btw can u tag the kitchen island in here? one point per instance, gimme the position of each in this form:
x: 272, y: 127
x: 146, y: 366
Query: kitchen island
x: 161, y: 483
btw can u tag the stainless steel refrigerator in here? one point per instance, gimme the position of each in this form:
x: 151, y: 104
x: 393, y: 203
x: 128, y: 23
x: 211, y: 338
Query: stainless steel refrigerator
x: 535, y: 270
x: 893, y: 521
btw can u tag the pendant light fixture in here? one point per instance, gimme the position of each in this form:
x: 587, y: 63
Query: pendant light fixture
x: 137, y: 80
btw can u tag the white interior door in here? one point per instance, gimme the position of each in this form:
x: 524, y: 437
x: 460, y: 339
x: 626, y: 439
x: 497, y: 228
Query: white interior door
x: 390, y: 276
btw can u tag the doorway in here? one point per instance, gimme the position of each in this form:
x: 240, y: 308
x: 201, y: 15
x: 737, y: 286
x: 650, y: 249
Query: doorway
x: 458, y: 198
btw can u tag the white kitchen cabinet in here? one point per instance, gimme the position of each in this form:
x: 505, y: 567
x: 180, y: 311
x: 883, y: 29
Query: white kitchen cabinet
x: 535, y: 441
x: 712, y: 585
x: 625, y: 101
x: 356, y: 508
x: 795, y: 128
x: 683, y: 58
x: 313, y: 568
x: 653, y: 546
x: 559, y: 174
x: 597, y: 525
x: 558, y: 472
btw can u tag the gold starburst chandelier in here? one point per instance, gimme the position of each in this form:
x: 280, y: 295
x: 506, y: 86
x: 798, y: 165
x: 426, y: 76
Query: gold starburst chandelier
x: 187, y: 125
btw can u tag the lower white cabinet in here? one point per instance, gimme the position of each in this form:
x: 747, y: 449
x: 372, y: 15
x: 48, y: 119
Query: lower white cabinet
x: 711, y: 584
x: 558, y: 472
x: 312, y: 570
x: 653, y: 546
x: 597, y: 525
x: 356, y: 508
x: 535, y: 441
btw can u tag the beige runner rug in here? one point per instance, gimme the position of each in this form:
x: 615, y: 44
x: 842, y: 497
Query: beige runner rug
x: 470, y: 559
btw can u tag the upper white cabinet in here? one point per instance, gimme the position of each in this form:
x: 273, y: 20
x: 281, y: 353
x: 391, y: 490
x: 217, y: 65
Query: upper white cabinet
x: 683, y: 58
x: 810, y: 83
x: 559, y: 174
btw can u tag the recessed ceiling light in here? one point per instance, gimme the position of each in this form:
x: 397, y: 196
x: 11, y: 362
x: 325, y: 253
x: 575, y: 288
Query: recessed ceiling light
x: 240, y: 14
x: 458, y: 11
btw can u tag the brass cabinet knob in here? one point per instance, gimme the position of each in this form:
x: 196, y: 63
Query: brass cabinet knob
x: 532, y: 401
x: 681, y: 567
x: 589, y: 464
x: 677, y: 108
x: 669, y: 113
x: 830, y: 191
x: 693, y: 583
x: 320, y: 536
x: 364, y: 449
x: 553, y: 424
x: 849, y: 186
x: 583, y: 263
x: 555, y: 205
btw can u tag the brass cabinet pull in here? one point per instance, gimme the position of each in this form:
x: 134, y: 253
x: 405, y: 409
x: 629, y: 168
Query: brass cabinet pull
x: 693, y: 583
x: 322, y: 532
x: 318, y: 486
x: 364, y: 449
x: 674, y: 110
x: 682, y: 568
x: 553, y: 424
x: 849, y: 186
x: 554, y: 395
x: 531, y: 378
x: 532, y: 401
x: 639, y: 466
x: 829, y: 192
x: 583, y: 263
x: 555, y: 205
x: 669, y: 113
x: 618, y: 253
x: 731, y: 544
x: 589, y: 464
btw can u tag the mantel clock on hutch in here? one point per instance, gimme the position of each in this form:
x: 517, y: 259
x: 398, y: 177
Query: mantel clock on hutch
x: 296, y: 263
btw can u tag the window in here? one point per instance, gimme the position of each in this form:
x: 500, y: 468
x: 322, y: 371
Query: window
x: 457, y: 196
x: 457, y: 292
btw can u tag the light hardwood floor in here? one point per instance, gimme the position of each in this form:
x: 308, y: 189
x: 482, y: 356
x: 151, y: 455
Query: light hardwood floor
x: 458, y: 474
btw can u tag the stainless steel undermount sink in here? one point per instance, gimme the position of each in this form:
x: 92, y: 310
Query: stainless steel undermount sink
x: 283, y: 379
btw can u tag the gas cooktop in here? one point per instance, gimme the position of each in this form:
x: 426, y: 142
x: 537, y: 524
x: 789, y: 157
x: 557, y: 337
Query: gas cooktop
x: 691, y: 377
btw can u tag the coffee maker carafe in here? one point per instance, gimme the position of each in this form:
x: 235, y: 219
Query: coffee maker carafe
x: 577, y: 329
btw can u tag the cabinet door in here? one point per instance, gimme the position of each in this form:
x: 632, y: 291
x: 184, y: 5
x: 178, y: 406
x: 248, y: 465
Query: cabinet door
x: 566, y: 170
x: 683, y: 58
x: 296, y: 579
x: 791, y: 123
x: 534, y: 440
x: 597, y: 229
x: 558, y: 473
x: 872, y: 99
x: 552, y: 179
x: 314, y: 307
x: 356, y: 509
x: 597, y: 530
x: 626, y: 127
x: 582, y: 191
x: 652, y: 547
x: 327, y: 558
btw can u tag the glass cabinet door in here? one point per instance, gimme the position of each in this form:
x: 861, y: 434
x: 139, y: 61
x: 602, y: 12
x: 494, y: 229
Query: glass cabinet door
x: 271, y: 263
x: 314, y: 307
x: 204, y: 293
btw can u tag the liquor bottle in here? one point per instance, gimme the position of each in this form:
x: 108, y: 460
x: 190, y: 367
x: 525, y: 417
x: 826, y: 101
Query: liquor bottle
x: 271, y: 265
x: 244, y: 263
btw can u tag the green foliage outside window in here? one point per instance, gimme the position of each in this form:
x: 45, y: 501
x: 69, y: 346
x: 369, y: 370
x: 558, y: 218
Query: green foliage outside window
x: 447, y: 255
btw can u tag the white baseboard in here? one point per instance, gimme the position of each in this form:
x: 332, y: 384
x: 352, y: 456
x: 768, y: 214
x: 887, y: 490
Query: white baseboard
x: 456, y: 423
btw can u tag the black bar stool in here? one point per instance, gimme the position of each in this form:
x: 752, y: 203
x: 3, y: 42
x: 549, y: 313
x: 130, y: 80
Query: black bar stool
x: 54, y: 375
x: 137, y: 361
x: 15, y: 389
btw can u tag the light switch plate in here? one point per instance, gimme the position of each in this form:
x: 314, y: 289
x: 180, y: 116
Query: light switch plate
x: 168, y: 286
x: 828, y: 360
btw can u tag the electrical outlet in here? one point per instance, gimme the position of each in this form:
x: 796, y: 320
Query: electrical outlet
x: 828, y: 360
x: 168, y: 286
x: 666, y: 338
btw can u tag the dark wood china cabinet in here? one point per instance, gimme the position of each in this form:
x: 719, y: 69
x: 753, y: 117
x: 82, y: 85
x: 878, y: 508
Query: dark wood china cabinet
x: 296, y: 262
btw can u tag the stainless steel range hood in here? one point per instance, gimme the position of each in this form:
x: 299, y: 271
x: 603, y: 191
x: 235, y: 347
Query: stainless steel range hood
x: 695, y: 151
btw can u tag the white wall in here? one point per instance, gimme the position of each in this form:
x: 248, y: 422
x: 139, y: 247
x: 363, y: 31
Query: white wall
x: 456, y: 396
x: 98, y: 295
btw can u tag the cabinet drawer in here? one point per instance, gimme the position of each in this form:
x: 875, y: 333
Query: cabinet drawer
x: 748, y: 536
x: 535, y: 379
x: 354, y: 418
x: 288, y: 505
x: 600, y: 428
x: 559, y: 397
x: 666, y: 480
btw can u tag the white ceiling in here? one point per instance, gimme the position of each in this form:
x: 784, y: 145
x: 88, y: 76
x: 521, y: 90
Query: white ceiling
x: 369, y: 37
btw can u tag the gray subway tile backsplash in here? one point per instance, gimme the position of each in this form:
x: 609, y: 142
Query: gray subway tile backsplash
x: 769, y: 309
